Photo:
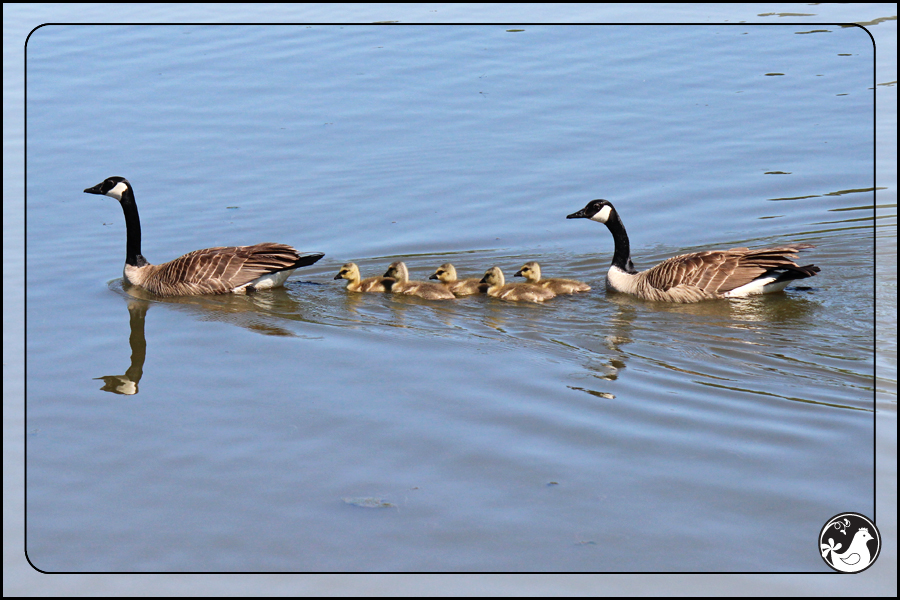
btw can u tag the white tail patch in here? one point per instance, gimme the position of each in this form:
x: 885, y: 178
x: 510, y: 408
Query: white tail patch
x: 266, y: 282
x: 763, y: 285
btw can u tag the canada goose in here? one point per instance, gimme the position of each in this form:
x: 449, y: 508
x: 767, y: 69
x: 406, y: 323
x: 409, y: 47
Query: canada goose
x: 699, y: 276
x: 514, y: 292
x: 531, y: 271
x: 423, y: 289
x: 446, y: 274
x: 211, y: 271
x: 350, y: 272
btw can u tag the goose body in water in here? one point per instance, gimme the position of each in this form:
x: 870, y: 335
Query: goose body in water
x: 733, y: 273
x: 210, y: 271
x: 422, y: 289
x: 531, y: 271
x: 446, y: 274
x: 514, y: 292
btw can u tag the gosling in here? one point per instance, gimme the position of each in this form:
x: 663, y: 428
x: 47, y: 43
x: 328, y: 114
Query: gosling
x: 422, y: 289
x: 446, y: 274
x: 514, y: 292
x: 531, y: 271
x: 350, y: 272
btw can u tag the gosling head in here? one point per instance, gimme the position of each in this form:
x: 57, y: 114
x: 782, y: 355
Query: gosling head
x: 494, y: 277
x: 445, y: 273
x: 398, y: 271
x: 596, y: 210
x: 349, y: 272
x: 114, y: 187
x: 531, y: 271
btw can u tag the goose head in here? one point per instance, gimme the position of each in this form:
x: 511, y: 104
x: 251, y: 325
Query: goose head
x: 398, y: 271
x: 596, y: 210
x: 494, y: 277
x: 114, y: 187
x: 445, y: 273
x: 531, y: 271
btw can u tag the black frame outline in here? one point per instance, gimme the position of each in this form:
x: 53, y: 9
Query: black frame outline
x: 444, y: 24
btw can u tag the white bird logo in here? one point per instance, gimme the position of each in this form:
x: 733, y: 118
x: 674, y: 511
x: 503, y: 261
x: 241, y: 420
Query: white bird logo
x: 853, y: 559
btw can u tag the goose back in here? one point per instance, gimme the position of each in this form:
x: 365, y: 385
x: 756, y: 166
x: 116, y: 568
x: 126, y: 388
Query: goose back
x: 712, y: 274
x: 221, y: 270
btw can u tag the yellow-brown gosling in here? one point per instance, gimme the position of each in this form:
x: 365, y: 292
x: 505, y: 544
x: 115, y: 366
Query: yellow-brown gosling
x: 531, y: 271
x: 350, y: 272
x: 733, y: 273
x: 219, y: 270
x: 446, y: 274
x: 514, y: 292
x: 422, y: 289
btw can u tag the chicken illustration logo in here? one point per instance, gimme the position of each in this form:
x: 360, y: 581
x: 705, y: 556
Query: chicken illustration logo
x: 863, y: 547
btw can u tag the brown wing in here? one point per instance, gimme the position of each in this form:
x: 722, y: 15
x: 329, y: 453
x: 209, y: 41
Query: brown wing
x: 219, y: 270
x: 719, y: 271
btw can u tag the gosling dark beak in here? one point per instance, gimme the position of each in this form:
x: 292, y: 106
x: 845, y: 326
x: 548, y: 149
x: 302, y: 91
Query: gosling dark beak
x: 519, y: 272
x: 433, y: 276
x: 483, y: 279
x: 339, y: 275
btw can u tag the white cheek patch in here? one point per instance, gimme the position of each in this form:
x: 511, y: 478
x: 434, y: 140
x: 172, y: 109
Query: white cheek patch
x: 602, y: 215
x: 117, y: 191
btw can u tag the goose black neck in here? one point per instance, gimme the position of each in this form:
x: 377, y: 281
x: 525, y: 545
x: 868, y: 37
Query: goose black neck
x: 133, y: 255
x: 622, y: 254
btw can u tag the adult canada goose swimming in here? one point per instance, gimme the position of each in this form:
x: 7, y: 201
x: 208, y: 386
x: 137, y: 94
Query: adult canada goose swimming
x: 733, y: 273
x: 446, y: 274
x: 211, y: 271
x: 514, y: 292
x: 350, y: 272
x: 423, y: 289
x: 531, y: 271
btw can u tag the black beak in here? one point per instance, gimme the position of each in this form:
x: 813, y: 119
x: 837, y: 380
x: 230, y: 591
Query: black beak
x: 579, y: 215
x: 483, y: 279
x: 433, y: 276
x: 339, y: 275
x: 95, y: 189
x: 519, y: 272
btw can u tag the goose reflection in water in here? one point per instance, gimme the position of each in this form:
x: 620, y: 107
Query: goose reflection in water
x: 127, y: 384
x: 269, y: 312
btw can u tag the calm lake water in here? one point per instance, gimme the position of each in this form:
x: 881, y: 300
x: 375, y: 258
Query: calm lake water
x: 309, y: 429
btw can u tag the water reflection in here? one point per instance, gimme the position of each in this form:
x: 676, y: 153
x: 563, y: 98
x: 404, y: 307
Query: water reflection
x: 733, y: 312
x: 127, y: 384
x: 256, y: 312
x: 259, y: 311
x: 719, y: 342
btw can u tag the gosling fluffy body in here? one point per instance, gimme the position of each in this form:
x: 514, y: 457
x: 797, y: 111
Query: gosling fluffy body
x: 355, y: 283
x: 514, y: 292
x: 446, y: 274
x: 422, y: 289
x: 531, y: 271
